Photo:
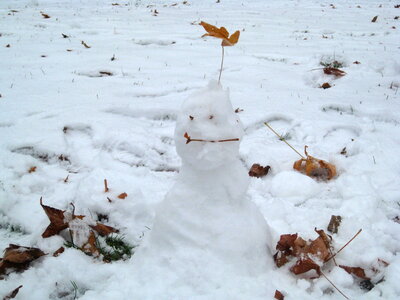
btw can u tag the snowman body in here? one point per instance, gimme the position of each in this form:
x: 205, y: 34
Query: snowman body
x: 206, y: 230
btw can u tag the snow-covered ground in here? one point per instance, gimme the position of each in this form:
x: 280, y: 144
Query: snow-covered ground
x: 109, y: 112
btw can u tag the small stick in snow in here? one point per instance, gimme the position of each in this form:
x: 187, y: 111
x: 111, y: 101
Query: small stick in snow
x: 283, y: 139
x: 344, y: 246
x: 335, y: 286
x: 189, y: 139
x: 105, y: 186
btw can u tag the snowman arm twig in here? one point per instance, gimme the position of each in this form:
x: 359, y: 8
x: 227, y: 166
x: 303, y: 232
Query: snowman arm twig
x: 189, y: 139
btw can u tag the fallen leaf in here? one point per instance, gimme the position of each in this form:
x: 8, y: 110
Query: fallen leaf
x: 357, y: 271
x: 12, y: 294
x: 46, y: 16
x: 374, y: 19
x: 325, y: 86
x: 59, y: 251
x: 32, y: 169
x: 278, y: 295
x: 334, y: 224
x: 281, y: 258
x: 304, y: 265
x: 286, y: 242
x: 122, y: 196
x: 18, y: 258
x: 258, y: 171
x: 103, y: 230
x: 334, y: 71
x: 221, y: 33
x: 20, y: 255
x: 90, y: 247
x: 314, y: 167
x: 57, y: 220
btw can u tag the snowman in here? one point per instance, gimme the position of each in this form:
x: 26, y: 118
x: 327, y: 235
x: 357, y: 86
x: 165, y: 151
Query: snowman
x: 206, y: 231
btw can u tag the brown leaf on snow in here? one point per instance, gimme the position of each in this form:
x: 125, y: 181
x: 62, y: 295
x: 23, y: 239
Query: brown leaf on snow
x: 357, y: 271
x: 334, y: 71
x: 122, y: 196
x: 374, y: 19
x: 325, y: 86
x: 281, y: 258
x: 18, y: 258
x: 278, y: 295
x: 46, y: 16
x: 32, y: 169
x: 21, y: 255
x: 12, y: 294
x: 221, y: 33
x: 314, y: 167
x: 258, y: 171
x: 104, y: 230
x: 59, y: 251
x: 334, y: 224
x: 57, y: 220
x: 90, y: 246
x: 304, y: 265
x: 286, y: 242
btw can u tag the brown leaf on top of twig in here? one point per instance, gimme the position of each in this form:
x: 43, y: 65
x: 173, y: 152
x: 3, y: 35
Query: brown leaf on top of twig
x: 258, y: 171
x: 334, y: 71
x: 221, y: 33
x: 356, y: 271
x: 12, y: 294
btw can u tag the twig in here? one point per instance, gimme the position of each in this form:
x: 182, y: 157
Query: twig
x: 283, y: 139
x: 335, y: 286
x: 189, y: 139
x: 66, y: 179
x: 344, y: 246
x: 105, y: 186
x: 222, y: 64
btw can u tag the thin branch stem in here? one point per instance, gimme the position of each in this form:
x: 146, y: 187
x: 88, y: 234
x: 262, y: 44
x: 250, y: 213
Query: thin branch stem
x: 189, y: 139
x: 283, y: 139
x: 105, y: 186
x: 335, y: 286
x: 222, y: 64
x: 344, y: 246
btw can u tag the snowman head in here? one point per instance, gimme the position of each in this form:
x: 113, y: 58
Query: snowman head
x: 208, y: 115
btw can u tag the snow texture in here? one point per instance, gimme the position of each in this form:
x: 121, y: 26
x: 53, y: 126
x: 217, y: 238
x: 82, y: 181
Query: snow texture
x: 110, y: 111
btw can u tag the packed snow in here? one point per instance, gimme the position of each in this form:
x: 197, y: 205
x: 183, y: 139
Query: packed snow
x: 107, y: 90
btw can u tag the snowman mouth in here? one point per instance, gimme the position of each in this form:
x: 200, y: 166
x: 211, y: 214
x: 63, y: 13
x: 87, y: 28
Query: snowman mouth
x: 189, y: 139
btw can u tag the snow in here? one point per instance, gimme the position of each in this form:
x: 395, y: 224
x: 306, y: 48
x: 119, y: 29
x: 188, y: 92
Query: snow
x: 60, y: 114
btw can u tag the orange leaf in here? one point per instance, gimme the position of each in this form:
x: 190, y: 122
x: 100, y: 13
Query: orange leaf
x: 122, y: 196
x: 304, y: 265
x: 314, y: 167
x: 220, y: 33
x: 103, y: 230
x: 258, y: 171
x: 57, y: 220
x: 334, y: 71
x: 32, y: 169
x: 357, y: 271
x: 90, y: 246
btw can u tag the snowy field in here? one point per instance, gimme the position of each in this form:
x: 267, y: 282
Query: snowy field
x: 108, y: 110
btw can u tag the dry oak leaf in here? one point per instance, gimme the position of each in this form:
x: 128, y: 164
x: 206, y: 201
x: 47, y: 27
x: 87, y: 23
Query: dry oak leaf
x: 32, y: 169
x: 12, y: 294
x: 221, y: 33
x: 58, y: 221
x: 357, y: 271
x: 314, y: 167
x: 18, y: 258
x: 304, y: 265
x: 278, y: 295
x: 334, y: 71
x: 258, y: 171
x: 122, y: 196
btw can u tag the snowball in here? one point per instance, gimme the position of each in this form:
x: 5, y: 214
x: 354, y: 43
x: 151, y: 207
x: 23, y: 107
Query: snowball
x: 293, y: 184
